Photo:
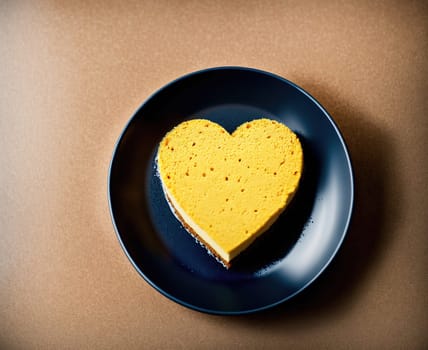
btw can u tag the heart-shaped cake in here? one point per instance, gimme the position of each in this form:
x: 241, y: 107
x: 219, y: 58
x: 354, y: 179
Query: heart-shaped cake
x: 227, y: 189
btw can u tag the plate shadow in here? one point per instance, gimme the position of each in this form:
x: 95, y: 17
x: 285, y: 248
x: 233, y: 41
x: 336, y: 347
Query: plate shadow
x: 372, y: 154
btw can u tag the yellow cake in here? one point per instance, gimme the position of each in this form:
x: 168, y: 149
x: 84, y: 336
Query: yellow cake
x: 227, y: 189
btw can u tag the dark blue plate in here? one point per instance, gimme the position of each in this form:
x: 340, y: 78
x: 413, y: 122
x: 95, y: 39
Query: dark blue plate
x: 295, y: 250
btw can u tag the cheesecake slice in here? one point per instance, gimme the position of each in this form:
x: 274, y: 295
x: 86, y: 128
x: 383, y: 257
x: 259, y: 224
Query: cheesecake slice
x: 227, y: 189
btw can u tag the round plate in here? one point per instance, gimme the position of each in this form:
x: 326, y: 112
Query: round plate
x: 295, y: 250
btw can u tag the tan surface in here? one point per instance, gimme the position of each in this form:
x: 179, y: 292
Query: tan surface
x: 71, y: 75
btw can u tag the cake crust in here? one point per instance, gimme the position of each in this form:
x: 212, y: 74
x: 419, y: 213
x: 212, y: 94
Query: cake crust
x: 195, y: 235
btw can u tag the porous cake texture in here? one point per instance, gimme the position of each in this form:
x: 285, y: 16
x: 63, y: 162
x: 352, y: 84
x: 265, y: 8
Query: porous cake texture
x: 227, y: 189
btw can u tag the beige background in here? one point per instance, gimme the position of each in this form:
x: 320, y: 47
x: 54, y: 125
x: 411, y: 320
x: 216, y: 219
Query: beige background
x: 72, y: 73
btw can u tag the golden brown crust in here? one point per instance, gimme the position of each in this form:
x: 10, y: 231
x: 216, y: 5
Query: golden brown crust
x: 196, y: 236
